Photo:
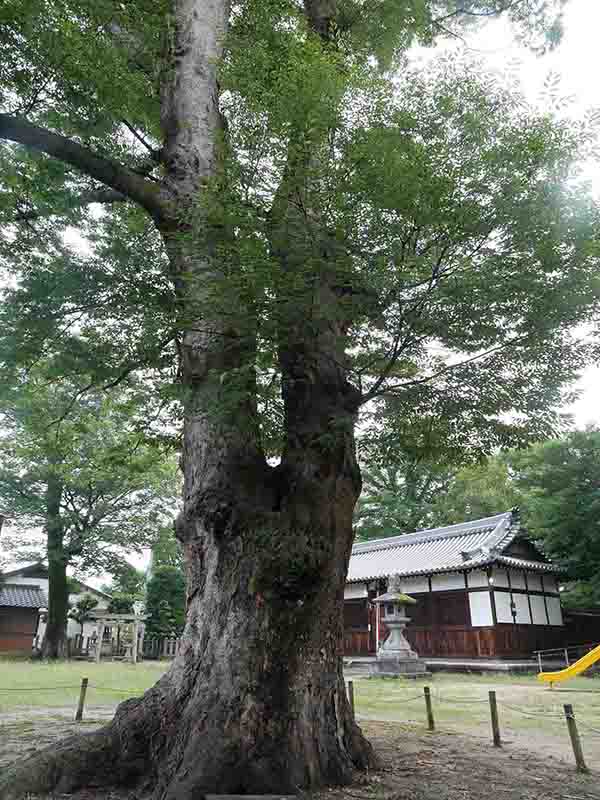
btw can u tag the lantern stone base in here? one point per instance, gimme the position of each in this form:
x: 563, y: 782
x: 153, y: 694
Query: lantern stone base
x: 387, y: 667
x: 396, y: 656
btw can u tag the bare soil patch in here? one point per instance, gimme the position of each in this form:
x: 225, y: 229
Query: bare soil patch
x: 415, y: 765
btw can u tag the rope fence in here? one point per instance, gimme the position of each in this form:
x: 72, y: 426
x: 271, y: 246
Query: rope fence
x: 428, y: 696
x: 537, y: 714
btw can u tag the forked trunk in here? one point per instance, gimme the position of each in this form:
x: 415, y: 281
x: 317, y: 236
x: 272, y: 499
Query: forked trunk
x: 254, y: 701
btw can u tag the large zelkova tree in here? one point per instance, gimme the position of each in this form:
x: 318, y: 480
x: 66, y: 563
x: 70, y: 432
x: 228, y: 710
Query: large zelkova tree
x: 84, y: 489
x: 304, y: 225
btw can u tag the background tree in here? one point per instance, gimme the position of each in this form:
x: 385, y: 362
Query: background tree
x: 478, y: 490
x: 399, y: 499
x: 560, y: 481
x: 166, y: 550
x: 127, y: 580
x: 89, y: 481
x: 80, y: 612
x: 121, y: 603
x: 306, y: 236
x: 165, y: 602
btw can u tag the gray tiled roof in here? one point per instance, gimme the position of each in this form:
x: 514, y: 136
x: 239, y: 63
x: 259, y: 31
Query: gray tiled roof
x: 463, y: 546
x: 22, y: 596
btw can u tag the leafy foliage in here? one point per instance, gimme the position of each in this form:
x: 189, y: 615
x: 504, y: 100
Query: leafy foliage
x: 560, y: 481
x: 476, y: 491
x: 399, y: 499
x: 462, y: 248
x: 121, y: 603
x: 115, y: 488
x: 165, y: 602
x: 80, y: 612
x: 126, y: 580
x: 166, y: 550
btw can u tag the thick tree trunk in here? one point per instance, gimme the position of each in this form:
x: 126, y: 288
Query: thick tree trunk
x: 255, y: 700
x: 54, y: 644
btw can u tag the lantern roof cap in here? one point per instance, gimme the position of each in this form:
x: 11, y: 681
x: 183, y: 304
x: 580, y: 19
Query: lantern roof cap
x: 395, y: 597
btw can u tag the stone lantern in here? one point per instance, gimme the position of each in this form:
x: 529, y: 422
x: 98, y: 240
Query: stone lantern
x: 395, y: 656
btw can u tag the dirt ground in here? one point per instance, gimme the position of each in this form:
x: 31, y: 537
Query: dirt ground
x: 415, y: 765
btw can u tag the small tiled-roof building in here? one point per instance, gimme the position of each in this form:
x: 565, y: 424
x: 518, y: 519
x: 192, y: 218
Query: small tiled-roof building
x: 23, y: 592
x: 19, y: 606
x: 483, y: 590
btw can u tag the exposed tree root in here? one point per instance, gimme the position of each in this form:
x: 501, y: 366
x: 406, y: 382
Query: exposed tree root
x: 180, y: 762
x: 105, y: 757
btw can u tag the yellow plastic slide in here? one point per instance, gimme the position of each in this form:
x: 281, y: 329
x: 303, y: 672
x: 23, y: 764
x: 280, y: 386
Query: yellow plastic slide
x: 575, y: 669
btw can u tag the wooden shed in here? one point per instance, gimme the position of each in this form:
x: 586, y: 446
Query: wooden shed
x: 483, y: 590
x: 19, y: 606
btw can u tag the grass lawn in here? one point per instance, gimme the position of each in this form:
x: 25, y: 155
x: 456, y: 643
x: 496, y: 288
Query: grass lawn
x: 530, y: 713
x: 38, y: 684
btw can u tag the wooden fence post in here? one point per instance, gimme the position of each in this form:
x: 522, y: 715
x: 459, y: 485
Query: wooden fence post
x: 428, y: 706
x: 84, y: 686
x: 494, y: 715
x: 575, y: 740
x: 351, y: 695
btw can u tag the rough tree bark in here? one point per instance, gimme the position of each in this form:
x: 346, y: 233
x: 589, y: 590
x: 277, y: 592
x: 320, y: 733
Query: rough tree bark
x: 255, y: 701
x: 55, y: 636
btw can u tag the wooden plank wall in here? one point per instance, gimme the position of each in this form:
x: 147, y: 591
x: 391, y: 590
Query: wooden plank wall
x: 17, y: 628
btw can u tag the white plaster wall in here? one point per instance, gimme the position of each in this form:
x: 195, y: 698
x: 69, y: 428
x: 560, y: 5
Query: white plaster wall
x: 354, y: 591
x: 523, y: 615
x: 534, y: 582
x: 550, y: 583
x: 517, y: 579
x: 440, y: 583
x: 41, y: 582
x: 481, y: 608
x: 418, y: 583
x: 554, y: 610
x: 503, y: 606
x: 477, y: 578
x: 500, y: 577
x: 538, y: 610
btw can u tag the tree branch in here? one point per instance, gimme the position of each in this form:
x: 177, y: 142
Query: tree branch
x: 118, y: 177
x: 447, y: 368
x: 154, y: 154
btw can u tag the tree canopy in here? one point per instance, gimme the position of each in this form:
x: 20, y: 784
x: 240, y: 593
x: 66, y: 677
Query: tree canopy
x: 559, y: 481
x: 446, y: 209
x: 399, y: 498
x: 84, y: 486
x: 115, y: 488
x: 165, y: 602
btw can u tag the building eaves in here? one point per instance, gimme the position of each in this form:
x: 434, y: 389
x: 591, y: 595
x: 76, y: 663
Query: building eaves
x: 535, y: 566
x: 22, y: 596
x: 455, y: 548
x: 488, y: 524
